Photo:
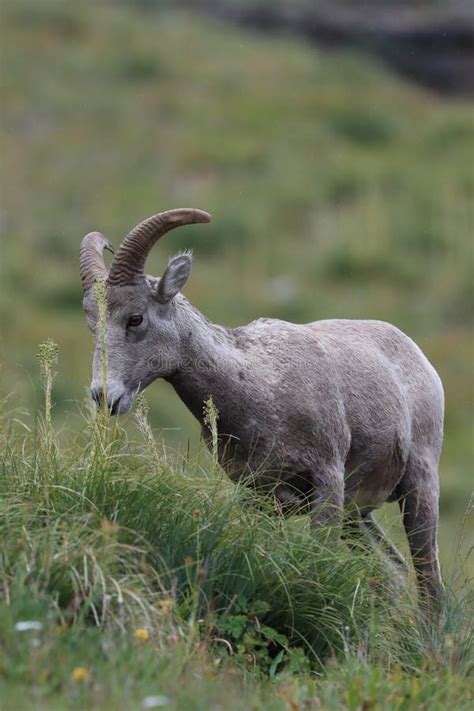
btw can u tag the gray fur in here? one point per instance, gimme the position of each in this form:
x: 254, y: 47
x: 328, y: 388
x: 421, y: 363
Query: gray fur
x: 335, y: 415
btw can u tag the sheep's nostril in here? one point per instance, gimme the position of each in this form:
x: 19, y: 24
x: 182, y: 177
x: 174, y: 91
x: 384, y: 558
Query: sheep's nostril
x: 97, y: 395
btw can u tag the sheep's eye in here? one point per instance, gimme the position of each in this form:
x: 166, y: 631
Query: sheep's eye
x: 135, y: 320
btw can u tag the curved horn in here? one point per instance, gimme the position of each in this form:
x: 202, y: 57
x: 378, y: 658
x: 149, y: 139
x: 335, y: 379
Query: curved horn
x: 91, y: 261
x: 129, y: 262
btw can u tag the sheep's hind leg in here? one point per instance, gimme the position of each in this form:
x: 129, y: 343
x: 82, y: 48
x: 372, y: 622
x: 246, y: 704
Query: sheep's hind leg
x: 378, y: 536
x: 366, y: 530
x: 418, y: 494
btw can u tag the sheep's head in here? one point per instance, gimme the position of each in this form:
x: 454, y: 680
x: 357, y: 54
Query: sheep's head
x: 140, y: 333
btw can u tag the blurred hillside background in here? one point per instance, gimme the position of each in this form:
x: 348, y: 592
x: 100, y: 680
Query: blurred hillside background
x: 338, y: 188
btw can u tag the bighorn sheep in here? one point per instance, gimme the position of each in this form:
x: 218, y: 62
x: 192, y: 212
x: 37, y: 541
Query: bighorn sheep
x: 337, y: 416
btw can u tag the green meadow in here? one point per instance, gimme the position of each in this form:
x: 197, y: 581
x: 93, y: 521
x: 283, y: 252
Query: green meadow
x: 337, y: 190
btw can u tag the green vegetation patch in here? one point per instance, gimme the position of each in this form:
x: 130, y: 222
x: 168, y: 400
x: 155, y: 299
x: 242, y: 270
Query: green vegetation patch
x: 125, y: 574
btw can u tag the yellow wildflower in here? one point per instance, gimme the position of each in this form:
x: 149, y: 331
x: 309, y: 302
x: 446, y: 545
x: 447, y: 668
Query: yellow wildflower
x: 166, y: 605
x: 80, y: 675
x: 142, y: 634
x: 109, y: 526
x: 449, y: 641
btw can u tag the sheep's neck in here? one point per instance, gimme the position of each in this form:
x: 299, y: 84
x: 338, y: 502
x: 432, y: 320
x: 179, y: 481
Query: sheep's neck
x: 209, y: 365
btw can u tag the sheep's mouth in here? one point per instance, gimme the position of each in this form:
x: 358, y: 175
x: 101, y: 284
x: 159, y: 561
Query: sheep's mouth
x: 117, y: 405
x: 114, y: 407
x: 121, y: 404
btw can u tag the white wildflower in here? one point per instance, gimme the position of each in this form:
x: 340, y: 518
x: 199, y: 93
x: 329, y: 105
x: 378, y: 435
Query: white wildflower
x: 28, y: 625
x: 154, y: 702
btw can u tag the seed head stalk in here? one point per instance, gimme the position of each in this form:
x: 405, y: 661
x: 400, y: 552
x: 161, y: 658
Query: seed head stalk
x: 48, y: 356
x: 211, y: 416
x: 100, y: 292
x: 141, y: 417
x: 101, y: 298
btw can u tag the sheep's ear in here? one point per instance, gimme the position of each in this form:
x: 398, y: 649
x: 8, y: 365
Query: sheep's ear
x: 174, y: 278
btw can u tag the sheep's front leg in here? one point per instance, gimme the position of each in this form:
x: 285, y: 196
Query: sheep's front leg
x: 327, y: 501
